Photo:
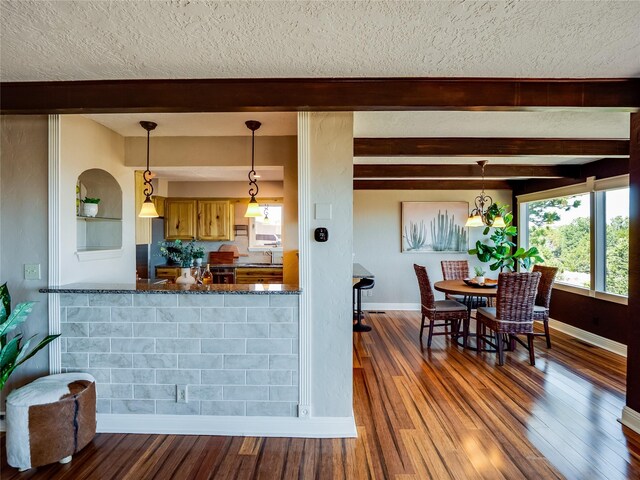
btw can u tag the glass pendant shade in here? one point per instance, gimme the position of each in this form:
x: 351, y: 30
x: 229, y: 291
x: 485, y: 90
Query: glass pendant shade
x: 148, y: 209
x: 474, y: 221
x: 498, y: 222
x: 253, y: 209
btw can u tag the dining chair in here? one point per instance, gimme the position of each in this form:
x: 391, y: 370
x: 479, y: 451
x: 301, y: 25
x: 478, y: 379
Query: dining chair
x: 449, y: 312
x: 512, y: 315
x: 543, y: 298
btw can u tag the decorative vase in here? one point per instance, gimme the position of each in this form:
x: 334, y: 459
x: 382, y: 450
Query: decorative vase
x: 185, y: 277
x: 90, y: 209
x: 198, y: 262
x: 480, y: 280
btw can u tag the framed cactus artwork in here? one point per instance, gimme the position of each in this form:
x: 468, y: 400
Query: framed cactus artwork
x: 434, y: 227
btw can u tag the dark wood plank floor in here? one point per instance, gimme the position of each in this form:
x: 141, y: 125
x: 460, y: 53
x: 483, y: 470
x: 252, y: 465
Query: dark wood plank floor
x: 439, y: 413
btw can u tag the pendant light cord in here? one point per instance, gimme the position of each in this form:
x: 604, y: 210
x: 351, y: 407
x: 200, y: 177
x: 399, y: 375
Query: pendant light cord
x: 253, y: 190
x: 148, y: 186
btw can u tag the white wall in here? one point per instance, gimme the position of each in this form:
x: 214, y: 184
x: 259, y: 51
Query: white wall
x: 331, y: 172
x: 85, y: 144
x: 23, y: 227
x: 224, y: 189
x: 377, y: 243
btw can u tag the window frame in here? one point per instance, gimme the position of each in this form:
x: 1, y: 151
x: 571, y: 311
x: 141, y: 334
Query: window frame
x: 597, y: 190
x: 251, y: 234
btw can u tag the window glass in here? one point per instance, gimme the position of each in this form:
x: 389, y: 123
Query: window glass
x: 266, y: 232
x: 560, y: 228
x: 617, y: 241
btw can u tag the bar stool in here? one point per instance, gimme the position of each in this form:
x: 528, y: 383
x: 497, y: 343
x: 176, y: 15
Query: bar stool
x: 363, y: 284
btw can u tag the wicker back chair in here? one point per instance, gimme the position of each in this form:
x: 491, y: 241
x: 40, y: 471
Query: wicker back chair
x: 543, y: 298
x: 454, y: 269
x: 450, y: 312
x: 513, y: 313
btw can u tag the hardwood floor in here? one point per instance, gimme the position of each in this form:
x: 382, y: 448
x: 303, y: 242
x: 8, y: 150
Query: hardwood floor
x: 439, y: 413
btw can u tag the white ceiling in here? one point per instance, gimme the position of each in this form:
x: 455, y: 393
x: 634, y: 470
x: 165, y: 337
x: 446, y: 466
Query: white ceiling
x: 200, y: 124
x: 94, y: 39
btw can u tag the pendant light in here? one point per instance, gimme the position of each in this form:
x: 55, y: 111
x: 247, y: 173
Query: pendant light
x: 148, y: 209
x: 253, y: 209
x: 478, y: 216
x: 266, y: 219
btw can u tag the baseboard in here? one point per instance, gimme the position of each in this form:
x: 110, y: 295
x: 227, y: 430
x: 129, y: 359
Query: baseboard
x: 391, y: 306
x: 590, y: 338
x: 630, y: 418
x: 313, y: 427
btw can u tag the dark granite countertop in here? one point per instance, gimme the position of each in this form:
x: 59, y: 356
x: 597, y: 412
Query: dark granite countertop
x: 232, y: 265
x: 169, y: 288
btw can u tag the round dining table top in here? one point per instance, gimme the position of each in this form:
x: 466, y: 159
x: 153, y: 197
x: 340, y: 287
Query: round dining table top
x: 458, y: 287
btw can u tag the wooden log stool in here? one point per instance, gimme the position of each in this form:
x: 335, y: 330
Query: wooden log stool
x: 50, y: 419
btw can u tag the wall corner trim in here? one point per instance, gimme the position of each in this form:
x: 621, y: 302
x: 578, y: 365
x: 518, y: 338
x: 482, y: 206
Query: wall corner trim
x: 590, y: 338
x: 314, y: 427
x: 55, y: 355
x: 630, y: 418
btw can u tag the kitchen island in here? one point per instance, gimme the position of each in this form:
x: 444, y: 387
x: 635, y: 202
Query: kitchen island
x: 199, y: 350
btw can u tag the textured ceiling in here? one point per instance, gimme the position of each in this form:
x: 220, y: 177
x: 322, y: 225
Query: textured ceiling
x: 201, y: 124
x: 82, y: 40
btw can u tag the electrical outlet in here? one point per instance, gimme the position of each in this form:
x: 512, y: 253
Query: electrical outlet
x: 32, y: 271
x: 181, y: 394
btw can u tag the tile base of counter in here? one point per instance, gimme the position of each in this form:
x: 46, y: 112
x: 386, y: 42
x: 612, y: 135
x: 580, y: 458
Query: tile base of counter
x: 314, y: 427
x: 147, y: 287
x: 235, y: 355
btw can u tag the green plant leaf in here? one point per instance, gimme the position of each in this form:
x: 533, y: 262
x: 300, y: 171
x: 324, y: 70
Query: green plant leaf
x: 17, y: 317
x: 9, y: 353
x: 43, y: 343
x: 5, y: 303
x: 486, y: 230
x: 494, y: 266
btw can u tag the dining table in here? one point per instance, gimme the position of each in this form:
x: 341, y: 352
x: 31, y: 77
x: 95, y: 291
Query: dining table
x: 473, y: 295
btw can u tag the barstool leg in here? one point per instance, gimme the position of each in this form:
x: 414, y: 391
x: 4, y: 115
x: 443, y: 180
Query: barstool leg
x: 359, y: 326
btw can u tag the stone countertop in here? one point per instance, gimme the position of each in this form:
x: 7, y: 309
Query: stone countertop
x: 142, y: 287
x: 360, y: 272
x: 231, y: 265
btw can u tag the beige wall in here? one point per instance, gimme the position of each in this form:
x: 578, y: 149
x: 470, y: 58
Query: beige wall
x: 377, y: 242
x: 23, y: 227
x: 206, y: 151
x: 224, y: 189
x: 85, y: 144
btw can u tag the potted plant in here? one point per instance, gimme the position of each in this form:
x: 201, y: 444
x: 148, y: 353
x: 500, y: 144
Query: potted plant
x: 198, y: 255
x: 500, y: 252
x: 182, y: 254
x: 14, y: 352
x: 90, y: 206
x: 479, y: 274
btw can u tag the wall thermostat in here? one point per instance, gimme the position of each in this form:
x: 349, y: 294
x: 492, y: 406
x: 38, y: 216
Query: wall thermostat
x: 321, y: 234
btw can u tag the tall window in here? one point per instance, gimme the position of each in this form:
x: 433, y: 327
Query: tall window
x: 585, y: 235
x: 616, y: 244
x: 560, y: 228
x: 265, y: 233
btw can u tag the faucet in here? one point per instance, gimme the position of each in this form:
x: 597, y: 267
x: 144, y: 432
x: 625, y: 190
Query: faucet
x: 269, y: 253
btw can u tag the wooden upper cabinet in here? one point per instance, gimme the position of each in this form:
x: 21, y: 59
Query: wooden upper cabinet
x: 214, y: 220
x: 180, y: 219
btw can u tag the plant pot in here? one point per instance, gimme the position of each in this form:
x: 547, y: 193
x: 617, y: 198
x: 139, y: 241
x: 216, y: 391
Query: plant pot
x: 90, y: 209
x: 480, y: 280
x: 185, y: 277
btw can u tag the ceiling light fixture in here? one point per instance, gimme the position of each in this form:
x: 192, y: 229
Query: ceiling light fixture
x: 478, y: 216
x: 253, y: 209
x: 148, y: 209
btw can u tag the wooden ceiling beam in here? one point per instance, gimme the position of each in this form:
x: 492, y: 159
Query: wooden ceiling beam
x: 473, y: 171
x: 490, y: 147
x: 319, y: 94
x: 430, y: 185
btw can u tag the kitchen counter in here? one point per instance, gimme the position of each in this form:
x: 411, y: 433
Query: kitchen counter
x: 232, y: 265
x: 151, y: 287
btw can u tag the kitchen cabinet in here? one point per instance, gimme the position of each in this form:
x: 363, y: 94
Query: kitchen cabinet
x: 215, y: 220
x: 170, y: 273
x: 180, y: 219
x: 258, y: 275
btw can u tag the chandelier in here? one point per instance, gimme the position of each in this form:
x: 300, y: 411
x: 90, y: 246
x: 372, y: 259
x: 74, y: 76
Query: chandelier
x: 478, y: 216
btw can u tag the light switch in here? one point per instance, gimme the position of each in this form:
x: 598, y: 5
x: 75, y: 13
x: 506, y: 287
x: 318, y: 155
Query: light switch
x: 323, y: 211
x: 32, y: 271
